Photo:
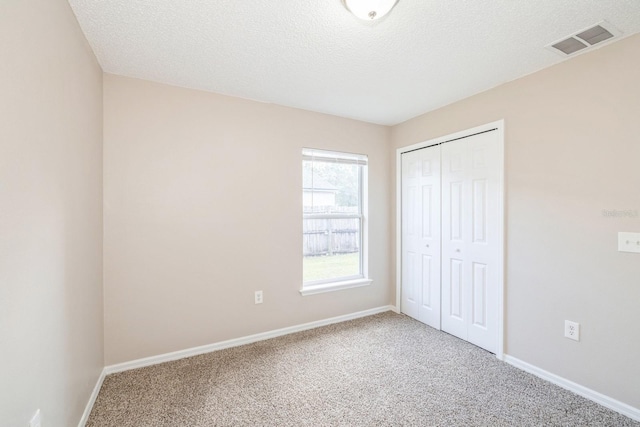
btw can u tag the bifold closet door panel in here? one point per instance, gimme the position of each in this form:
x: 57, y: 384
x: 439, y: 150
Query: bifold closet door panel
x: 455, y: 229
x: 484, y: 243
x: 470, y: 246
x: 421, y: 235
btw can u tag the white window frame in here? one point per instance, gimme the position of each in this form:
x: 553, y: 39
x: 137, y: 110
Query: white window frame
x: 347, y: 282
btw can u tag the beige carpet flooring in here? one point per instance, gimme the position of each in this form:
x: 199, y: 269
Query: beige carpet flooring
x: 382, y: 370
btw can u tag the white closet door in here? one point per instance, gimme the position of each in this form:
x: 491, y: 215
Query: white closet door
x: 470, y: 246
x: 421, y: 235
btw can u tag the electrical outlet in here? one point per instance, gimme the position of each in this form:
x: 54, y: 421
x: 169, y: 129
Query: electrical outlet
x: 572, y: 330
x: 258, y: 297
x: 35, y: 420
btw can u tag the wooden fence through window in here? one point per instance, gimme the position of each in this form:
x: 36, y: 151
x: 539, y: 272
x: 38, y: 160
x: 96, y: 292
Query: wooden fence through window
x: 331, y: 236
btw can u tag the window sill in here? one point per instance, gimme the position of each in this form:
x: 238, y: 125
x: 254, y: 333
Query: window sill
x: 334, y: 286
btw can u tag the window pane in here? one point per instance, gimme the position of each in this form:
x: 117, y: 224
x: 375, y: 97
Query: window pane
x: 330, y: 187
x: 331, y: 248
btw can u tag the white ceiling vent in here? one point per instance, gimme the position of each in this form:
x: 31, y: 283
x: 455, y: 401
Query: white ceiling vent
x: 585, y: 39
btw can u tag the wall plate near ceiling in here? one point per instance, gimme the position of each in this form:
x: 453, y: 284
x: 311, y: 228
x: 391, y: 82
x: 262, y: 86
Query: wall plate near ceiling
x: 586, y: 39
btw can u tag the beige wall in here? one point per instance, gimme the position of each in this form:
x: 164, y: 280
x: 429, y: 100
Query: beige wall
x: 203, y: 207
x: 51, y: 328
x: 572, y: 150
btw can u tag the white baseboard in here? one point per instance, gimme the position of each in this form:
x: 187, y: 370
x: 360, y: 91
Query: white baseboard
x: 606, y: 401
x: 92, y: 399
x: 181, y: 354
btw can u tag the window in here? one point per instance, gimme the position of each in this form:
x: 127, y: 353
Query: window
x: 333, y: 220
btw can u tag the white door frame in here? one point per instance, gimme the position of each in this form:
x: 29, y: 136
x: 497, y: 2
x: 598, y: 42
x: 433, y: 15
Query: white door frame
x: 499, y: 127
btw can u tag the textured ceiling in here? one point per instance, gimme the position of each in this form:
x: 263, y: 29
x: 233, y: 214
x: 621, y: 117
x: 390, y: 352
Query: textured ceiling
x: 314, y: 55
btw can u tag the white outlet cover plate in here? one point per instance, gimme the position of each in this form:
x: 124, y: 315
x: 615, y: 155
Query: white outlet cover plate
x: 629, y: 242
x: 572, y: 330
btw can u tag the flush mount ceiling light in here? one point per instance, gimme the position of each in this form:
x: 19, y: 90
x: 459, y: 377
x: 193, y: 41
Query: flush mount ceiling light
x: 369, y: 10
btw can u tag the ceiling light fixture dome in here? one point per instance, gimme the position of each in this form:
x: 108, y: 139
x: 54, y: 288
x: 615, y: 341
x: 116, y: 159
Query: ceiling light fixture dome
x: 369, y: 10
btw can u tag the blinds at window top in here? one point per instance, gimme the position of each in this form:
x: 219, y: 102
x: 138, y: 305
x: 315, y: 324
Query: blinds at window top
x: 315, y: 155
